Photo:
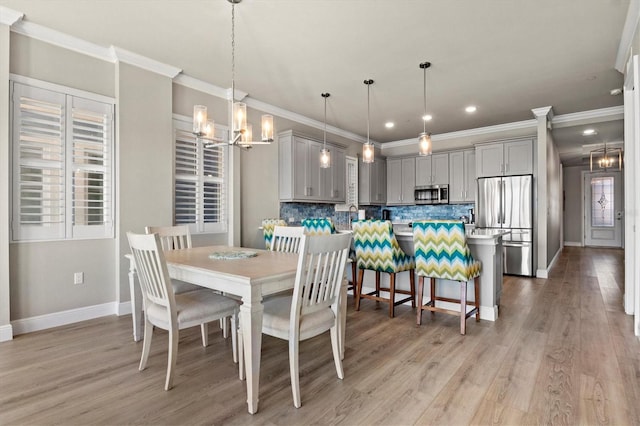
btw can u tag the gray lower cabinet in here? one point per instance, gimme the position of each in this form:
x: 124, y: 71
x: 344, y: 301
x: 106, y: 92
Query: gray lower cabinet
x: 300, y: 177
x: 372, y: 182
x: 462, y: 176
x: 401, y: 181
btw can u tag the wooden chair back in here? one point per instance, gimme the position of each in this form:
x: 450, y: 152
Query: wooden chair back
x: 287, y: 238
x: 172, y: 237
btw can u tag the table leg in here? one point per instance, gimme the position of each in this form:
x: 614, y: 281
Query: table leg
x: 136, y: 303
x: 251, y: 322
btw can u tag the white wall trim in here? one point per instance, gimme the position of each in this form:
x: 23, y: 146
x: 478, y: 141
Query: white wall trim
x: 573, y: 244
x: 600, y: 115
x: 9, y: 16
x: 201, y: 86
x: 542, y: 273
x: 123, y: 308
x: 628, y: 31
x: 144, y: 62
x: 6, y: 331
x: 56, y: 319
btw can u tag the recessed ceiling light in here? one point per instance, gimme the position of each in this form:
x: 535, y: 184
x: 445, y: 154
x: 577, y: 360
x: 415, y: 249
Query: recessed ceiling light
x: 470, y: 109
x: 389, y: 124
x: 427, y: 117
x: 589, y: 132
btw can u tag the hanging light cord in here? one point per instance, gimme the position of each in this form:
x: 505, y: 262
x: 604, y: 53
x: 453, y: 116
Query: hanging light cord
x: 424, y: 122
x: 368, y: 107
x: 325, y: 96
x: 233, y: 52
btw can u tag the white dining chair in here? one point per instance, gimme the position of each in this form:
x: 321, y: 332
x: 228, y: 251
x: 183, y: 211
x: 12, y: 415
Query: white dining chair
x: 287, y: 238
x: 170, y: 311
x: 179, y: 237
x: 313, y: 308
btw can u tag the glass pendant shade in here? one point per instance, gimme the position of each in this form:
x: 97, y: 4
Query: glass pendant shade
x: 424, y: 144
x: 267, y: 128
x: 368, y: 153
x: 325, y: 158
x: 247, y: 135
x: 239, y: 116
x: 210, y: 130
x: 199, y: 119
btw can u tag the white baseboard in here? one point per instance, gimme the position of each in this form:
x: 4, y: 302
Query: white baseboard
x: 6, y: 333
x: 123, y: 308
x: 573, y: 244
x: 542, y: 273
x: 56, y: 319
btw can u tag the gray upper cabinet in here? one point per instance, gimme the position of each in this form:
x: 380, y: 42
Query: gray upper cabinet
x: 372, y: 182
x: 462, y: 176
x: 300, y: 177
x: 505, y: 158
x: 432, y: 169
x: 401, y: 181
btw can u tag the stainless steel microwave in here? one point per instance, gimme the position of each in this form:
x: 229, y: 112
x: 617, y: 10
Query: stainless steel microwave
x: 432, y: 194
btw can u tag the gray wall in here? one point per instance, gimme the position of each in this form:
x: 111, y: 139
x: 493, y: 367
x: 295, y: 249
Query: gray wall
x: 554, y: 200
x: 572, y: 215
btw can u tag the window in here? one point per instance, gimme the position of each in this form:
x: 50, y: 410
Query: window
x: 602, y: 202
x: 62, y: 164
x: 199, y: 186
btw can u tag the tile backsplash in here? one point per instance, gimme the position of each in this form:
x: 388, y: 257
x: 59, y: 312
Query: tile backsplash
x: 294, y: 213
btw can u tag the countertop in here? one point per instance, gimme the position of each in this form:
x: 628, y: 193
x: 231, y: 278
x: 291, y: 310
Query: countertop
x: 471, y: 233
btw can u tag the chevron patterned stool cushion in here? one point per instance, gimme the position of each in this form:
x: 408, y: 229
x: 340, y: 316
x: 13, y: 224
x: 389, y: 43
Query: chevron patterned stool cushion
x: 377, y: 249
x: 320, y: 226
x: 441, y: 251
x: 267, y: 230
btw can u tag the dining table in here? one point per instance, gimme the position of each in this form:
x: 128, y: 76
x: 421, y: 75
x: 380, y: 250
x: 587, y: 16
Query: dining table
x: 247, y: 273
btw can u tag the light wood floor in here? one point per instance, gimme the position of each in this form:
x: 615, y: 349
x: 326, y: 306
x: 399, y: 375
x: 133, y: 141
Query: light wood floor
x: 562, y: 352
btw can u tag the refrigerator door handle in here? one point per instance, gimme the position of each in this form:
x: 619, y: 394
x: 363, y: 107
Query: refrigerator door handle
x: 501, y: 212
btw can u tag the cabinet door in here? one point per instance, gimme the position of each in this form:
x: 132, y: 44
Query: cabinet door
x: 300, y: 168
x: 408, y: 181
x: 338, y: 186
x: 489, y: 160
x: 365, y: 183
x: 394, y: 182
x: 440, y: 169
x: 457, y: 177
x: 381, y: 178
x: 518, y: 157
x: 423, y: 171
x: 471, y: 185
x: 351, y: 196
x: 317, y: 178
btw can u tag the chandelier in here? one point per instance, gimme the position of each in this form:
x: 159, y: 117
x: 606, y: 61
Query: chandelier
x: 241, y: 133
x: 606, y: 158
x: 424, y: 139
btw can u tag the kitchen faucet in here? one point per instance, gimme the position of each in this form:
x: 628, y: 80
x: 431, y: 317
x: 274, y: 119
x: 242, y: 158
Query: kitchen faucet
x: 355, y: 210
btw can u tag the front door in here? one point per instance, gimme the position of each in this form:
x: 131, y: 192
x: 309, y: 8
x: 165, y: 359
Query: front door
x: 603, y: 209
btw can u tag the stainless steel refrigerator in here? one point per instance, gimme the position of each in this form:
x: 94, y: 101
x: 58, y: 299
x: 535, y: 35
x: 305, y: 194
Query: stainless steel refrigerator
x: 507, y: 203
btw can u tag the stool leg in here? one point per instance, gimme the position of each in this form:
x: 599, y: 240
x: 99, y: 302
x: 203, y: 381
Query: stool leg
x: 433, y: 295
x: 359, y: 292
x: 476, y: 284
x: 377, y: 287
x: 392, y: 294
x: 354, y: 268
x: 463, y: 307
x: 412, y: 284
x: 420, y: 291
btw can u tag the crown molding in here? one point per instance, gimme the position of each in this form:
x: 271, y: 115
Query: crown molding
x: 144, y: 62
x: 10, y: 16
x: 543, y: 112
x: 301, y: 119
x: 63, y: 40
x: 628, y: 31
x: 594, y: 115
x: 201, y: 86
x: 517, y: 125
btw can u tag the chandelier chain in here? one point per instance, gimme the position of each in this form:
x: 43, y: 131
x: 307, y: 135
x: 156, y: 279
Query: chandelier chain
x: 233, y: 51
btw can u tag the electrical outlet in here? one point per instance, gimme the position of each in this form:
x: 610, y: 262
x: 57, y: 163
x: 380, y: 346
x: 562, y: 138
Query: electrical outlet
x: 78, y: 278
x: 292, y: 219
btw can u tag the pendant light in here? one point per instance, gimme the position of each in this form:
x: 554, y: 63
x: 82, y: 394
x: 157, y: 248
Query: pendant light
x: 325, y: 154
x: 367, y: 149
x: 424, y: 139
x: 241, y: 132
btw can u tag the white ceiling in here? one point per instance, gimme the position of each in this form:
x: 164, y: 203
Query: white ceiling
x: 505, y: 57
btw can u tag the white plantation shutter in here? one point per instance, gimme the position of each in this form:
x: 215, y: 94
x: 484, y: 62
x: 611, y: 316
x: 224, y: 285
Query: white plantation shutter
x: 62, y: 171
x: 39, y: 179
x: 199, y: 193
x: 91, y: 165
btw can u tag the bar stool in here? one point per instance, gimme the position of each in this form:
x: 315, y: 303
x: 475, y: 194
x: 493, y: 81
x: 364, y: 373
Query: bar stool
x: 441, y: 251
x: 267, y: 230
x: 318, y: 226
x: 378, y: 250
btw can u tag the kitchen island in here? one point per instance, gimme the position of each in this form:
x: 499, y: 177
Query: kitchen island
x: 485, y: 245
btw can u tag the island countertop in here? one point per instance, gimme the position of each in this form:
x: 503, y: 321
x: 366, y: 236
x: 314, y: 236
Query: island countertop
x: 471, y: 234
